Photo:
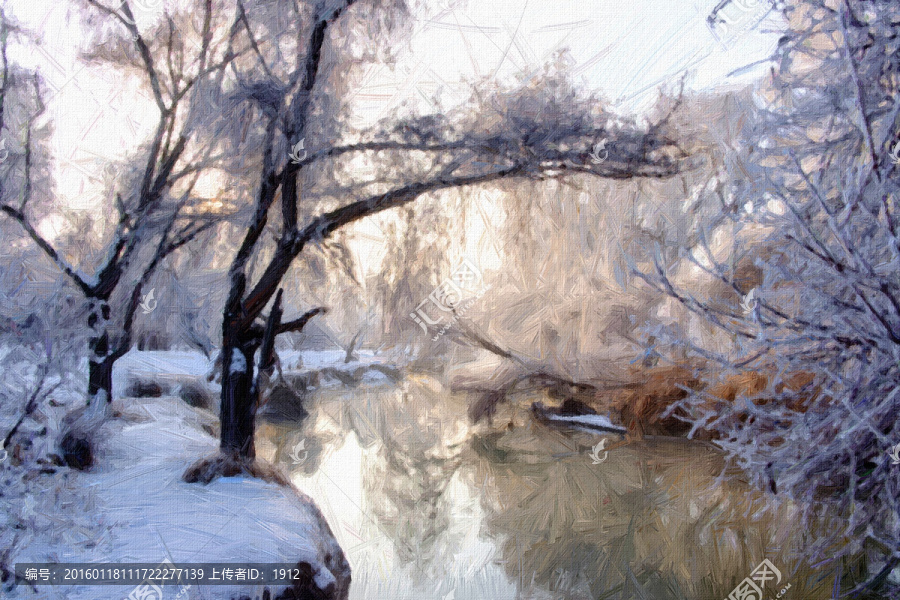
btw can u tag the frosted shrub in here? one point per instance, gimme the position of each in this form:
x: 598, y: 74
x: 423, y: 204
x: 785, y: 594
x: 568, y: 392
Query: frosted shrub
x: 809, y: 288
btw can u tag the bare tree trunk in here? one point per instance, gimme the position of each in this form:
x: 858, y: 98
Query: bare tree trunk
x: 100, y: 377
x: 239, y: 398
x: 237, y: 414
x: 100, y: 363
x: 241, y: 389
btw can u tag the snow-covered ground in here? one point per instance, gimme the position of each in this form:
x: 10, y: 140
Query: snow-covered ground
x: 133, y: 507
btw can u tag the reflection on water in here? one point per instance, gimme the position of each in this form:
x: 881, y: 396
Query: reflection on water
x: 428, y: 506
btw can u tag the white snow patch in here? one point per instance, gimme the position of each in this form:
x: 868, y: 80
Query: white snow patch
x: 589, y: 420
x: 238, y: 362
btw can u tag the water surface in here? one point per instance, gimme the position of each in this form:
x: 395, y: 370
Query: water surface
x: 428, y: 506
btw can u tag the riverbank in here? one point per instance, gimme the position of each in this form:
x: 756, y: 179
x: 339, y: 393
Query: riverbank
x: 133, y: 507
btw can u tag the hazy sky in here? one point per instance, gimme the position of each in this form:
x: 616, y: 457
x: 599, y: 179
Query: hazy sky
x: 625, y: 50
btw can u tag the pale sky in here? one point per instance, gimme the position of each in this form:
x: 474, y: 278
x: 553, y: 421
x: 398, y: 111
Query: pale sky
x: 623, y: 50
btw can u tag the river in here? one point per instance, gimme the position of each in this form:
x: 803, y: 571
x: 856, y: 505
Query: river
x: 428, y: 506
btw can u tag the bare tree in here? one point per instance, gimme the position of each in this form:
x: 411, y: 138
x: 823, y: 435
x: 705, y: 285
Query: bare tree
x: 544, y: 129
x: 157, y: 213
x: 153, y: 221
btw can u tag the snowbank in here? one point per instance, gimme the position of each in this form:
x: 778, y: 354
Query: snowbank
x: 327, y: 367
x: 133, y: 507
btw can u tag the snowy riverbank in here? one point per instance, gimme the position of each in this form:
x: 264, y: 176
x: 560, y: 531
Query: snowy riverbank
x: 133, y: 507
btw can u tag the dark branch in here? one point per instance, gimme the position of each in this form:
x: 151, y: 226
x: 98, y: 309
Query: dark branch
x: 298, y: 324
x: 267, y: 348
x: 48, y: 249
x: 257, y: 331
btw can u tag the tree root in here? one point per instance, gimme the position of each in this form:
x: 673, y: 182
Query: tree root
x: 231, y: 465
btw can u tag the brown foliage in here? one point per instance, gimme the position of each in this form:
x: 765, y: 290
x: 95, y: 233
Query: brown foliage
x: 641, y: 407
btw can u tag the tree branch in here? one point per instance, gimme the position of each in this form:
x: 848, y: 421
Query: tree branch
x: 298, y: 324
x: 257, y: 331
x: 267, y: 347
x: 48, y: 249
x: 262, y: 61
x: 129, y: 23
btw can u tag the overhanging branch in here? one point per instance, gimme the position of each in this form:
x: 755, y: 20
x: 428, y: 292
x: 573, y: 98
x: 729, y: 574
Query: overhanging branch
x: 324, y: 225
